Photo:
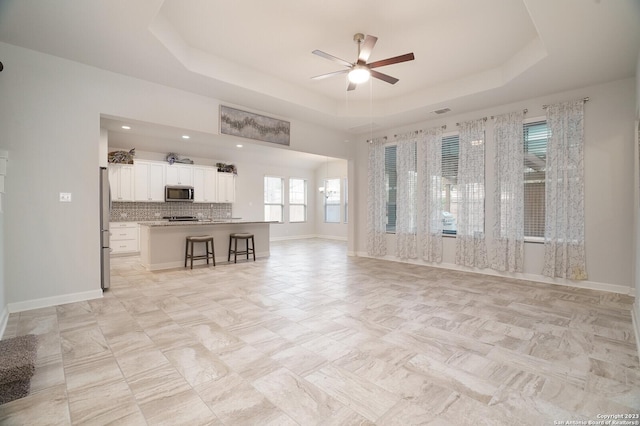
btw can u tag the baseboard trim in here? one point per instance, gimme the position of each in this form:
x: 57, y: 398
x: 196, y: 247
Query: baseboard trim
x: 305, y: 237
x: 332, y: 237
x: 591, y: 285
x: 4, y: 319
x: 46, y: 302
x: 291, y: 237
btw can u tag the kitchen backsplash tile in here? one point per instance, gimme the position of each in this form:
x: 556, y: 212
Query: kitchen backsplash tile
x: 140, y: 211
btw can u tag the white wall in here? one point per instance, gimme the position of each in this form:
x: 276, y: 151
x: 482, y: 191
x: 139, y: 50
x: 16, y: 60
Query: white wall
x: 609, y: 154
x: 50, y: 124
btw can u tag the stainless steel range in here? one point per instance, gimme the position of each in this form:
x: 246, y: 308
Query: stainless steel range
x: 181, y: 218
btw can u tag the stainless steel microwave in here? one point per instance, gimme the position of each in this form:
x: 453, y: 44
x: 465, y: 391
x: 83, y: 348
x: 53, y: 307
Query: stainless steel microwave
x: 178, y: 193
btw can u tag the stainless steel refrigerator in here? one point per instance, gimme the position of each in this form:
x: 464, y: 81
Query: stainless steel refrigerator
x: 105, y: 210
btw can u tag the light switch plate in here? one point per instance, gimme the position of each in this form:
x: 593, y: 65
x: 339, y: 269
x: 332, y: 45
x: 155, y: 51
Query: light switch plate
x: 65, y: 197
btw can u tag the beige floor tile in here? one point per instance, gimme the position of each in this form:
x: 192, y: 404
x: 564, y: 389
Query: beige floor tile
x: 361, y: 395
x: 348, y: 340
x: 42, y: 409
x: 183, y: 408
x: 301, y: 400
x: 197, y: 364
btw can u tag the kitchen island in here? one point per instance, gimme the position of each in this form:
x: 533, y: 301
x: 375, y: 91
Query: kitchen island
x: 162, y: 243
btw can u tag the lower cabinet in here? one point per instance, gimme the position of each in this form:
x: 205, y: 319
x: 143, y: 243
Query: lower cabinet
x: 124, y: 237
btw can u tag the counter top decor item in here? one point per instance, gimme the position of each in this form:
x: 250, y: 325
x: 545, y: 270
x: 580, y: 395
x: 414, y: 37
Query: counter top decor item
x: 172, y: 157
x: 121, y: 157
x: 226, y: 168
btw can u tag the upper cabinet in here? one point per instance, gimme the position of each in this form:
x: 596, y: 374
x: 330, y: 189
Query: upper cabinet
x: 226, y: 187
x: 121, y: 178
x: 145, y: 181
x: 179, y: 174
x: 149, y: 181
x: 205, y: 184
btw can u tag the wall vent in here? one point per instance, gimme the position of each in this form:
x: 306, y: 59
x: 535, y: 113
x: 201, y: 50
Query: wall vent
x: 442, y: 111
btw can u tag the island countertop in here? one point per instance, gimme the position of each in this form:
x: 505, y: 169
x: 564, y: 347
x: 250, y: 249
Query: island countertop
x: 202, y: 222
x: 162, y: 243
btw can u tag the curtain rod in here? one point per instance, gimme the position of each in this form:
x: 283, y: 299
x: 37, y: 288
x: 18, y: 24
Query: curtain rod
x: 583, y: 100
x: 443, y: 127
x: 524, y: 111
x: 586, y: 99
x: 483, y: 119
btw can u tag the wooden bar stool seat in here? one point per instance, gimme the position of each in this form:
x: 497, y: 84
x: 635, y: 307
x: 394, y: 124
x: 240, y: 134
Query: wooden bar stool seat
x: 233, y: 248
x: 208, y: 254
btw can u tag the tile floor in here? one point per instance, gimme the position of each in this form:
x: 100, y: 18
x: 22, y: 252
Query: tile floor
x: 311, y: 336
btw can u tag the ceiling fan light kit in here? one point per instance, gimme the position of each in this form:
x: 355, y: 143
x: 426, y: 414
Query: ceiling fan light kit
x: 359, y: 74
x: 360, y: 71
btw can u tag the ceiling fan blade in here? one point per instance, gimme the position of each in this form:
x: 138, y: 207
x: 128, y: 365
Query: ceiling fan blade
x: 384, y: 77
x: 389, y: 61
x: 366, y: 48
x: 351, y: 86
x: 332, y: 58
x: 330, y: 74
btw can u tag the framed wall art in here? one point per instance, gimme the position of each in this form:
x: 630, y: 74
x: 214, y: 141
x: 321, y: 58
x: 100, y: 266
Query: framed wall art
x: 253, y: 126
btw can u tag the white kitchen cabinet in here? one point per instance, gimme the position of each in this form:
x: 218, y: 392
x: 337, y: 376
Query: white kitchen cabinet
x: 179, y: 174
x: 124, y: 237
x: 226, y: 187
x: 121, y: 177
x: 149, y: 181
x: 205, y: 184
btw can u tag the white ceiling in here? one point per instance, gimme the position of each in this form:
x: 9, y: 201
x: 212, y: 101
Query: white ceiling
x: 470, y: 54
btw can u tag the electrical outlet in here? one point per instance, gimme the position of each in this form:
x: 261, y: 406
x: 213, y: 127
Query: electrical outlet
x: 65, y: 197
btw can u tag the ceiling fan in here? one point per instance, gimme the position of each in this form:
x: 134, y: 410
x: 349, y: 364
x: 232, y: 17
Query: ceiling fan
x: 360, y: 71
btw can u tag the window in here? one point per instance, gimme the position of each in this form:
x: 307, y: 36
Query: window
x: 346, y: 200
x: 332, y: 200
x: 535, y: 160
x: 391, y: 181
x: 450, y: 150
x: 273, y: 198
x: 297, y: 200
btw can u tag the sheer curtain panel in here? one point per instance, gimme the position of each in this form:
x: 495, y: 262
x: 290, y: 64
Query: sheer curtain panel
x: 471, y: 249
x: 508, y: 196
x: 376, y: 200
x: 407, y: 203
x: 430, y: 223
x: 564, y: 254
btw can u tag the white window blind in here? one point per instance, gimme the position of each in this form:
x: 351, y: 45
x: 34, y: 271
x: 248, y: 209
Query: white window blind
x: 535, y: 159
x: 450, y: 151
x: 391, y: 182
x: 297, y: 200
x: 273, y: 198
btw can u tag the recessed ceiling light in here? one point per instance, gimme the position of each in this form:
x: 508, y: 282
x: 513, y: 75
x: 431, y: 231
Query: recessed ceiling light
x: 185, y: 136
x: 126, y: 127
x: 239, y: 146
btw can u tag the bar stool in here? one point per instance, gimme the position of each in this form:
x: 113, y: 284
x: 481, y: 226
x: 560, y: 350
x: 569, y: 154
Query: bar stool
x: 248, y: 250
x: 188, y: 254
